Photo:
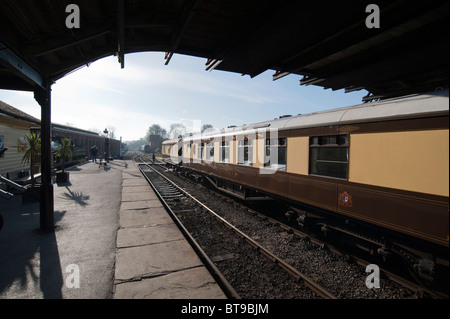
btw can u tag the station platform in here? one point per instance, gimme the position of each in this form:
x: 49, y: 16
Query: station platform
x: 113, y: 240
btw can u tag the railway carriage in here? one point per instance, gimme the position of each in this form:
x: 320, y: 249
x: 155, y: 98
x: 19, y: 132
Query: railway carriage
x: 171, y: 150
x: 376, y: 172
x: 82, y: 140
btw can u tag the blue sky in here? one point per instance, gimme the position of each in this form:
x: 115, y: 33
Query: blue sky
x: 148, y: 92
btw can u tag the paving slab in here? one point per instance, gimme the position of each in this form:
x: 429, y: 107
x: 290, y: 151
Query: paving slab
x: 135, y: 182
x: 135, y: 189
x: 195, y: 283
x: 154, y: 260
x: 139, y: 196
x: 141, y: 204
x: 129, y: 174
x: 147, y: 235
x: 144, y: 217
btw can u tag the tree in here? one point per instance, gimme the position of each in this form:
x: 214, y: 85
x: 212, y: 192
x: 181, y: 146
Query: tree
x: 156, y: 129
x: 65, y: 151
x: 33, y: 153
x: 111, y: 132
x: 155, y: 136
x: 136, y: 145
x: 207, y: 128
x: 177, y: 130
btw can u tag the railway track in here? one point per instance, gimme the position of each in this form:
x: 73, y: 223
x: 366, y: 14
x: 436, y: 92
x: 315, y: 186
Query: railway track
x: 168, y: 193
x: 414, y: 290
x: 172, y: 196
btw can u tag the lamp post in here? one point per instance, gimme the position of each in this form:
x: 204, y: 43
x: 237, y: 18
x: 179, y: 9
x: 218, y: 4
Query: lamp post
x: 106, y: 145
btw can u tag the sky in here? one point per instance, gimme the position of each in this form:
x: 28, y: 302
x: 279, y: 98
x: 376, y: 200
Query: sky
x: 147, y: 92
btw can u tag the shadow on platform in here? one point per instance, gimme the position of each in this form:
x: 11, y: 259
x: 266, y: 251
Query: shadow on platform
x: 29, y: 257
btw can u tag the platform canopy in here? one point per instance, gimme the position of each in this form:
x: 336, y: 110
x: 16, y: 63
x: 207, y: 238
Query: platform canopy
x: 327, y: 43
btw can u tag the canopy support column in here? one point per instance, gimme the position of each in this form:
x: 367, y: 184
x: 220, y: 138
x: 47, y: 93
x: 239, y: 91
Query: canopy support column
x: 43, y: 97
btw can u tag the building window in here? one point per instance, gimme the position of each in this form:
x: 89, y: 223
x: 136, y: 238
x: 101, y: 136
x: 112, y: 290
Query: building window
x: 275, y: 154
x: 245, y: 151
x: 328, y: 156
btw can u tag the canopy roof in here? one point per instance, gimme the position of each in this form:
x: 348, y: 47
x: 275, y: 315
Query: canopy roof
x: 328, y: 43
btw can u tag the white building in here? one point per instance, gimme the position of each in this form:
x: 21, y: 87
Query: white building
x: 14, y: 124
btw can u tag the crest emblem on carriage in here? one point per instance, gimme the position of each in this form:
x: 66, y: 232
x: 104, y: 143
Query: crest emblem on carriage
x: 345, y: 199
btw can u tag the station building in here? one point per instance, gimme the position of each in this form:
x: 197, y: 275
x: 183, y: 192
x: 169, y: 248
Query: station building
x: 14, y: 125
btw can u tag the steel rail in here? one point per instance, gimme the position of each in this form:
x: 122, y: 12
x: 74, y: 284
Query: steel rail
x: 215, y: 272
x: 283, y: 264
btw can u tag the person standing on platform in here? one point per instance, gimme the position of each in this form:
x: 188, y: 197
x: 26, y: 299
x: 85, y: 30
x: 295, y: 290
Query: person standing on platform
x: 94, y: 153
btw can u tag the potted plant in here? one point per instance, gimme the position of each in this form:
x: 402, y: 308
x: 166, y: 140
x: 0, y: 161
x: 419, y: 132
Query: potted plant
x: 65, y: 151
x: 32, y: 156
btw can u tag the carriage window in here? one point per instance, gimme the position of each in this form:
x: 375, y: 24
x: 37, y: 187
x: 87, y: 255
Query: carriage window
x: 328, y: 155
x: 225, y: 151
x: 245, y: 154
x: 275, y: 154
x: 202, y: 146
x: 210, y: 151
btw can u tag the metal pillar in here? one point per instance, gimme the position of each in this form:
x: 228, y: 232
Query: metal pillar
x: 106, y: 145
x: 107, y: 150
x: 43, y: 97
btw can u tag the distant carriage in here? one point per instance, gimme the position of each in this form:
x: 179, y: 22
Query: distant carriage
x: 83, y: 140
